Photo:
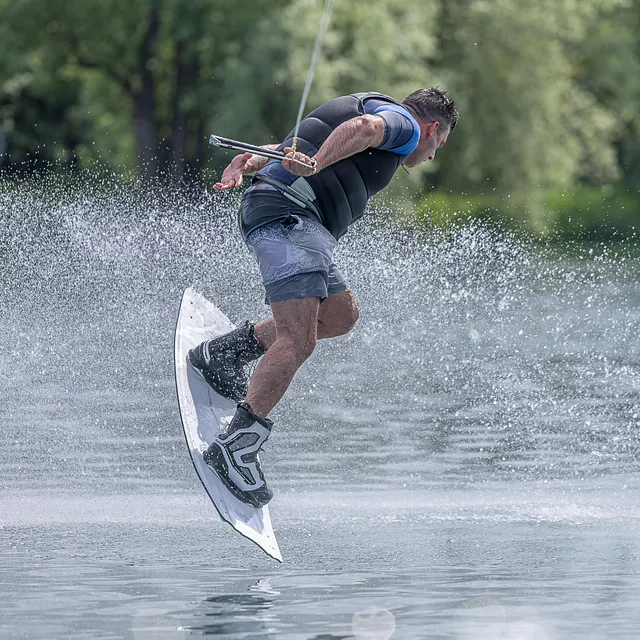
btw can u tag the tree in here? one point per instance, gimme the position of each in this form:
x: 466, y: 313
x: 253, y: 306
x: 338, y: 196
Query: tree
x: 526, y: 122
x: 154, y: 61
x: 380, y: 46
x: 607, y: 65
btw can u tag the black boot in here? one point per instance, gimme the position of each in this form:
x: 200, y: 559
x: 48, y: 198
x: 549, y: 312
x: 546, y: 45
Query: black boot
x: 221, y: 361
x: 233, y: 456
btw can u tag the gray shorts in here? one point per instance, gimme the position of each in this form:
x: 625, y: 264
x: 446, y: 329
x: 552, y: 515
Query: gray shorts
x: 295, y: 257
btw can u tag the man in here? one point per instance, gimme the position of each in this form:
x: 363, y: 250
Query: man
x: 292, y: 217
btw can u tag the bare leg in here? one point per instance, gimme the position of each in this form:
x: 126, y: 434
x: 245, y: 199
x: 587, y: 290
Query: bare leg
x: 295, y: 322
x: 337, y: 316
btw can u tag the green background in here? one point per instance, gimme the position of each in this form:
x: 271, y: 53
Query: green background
x: 548, y: 91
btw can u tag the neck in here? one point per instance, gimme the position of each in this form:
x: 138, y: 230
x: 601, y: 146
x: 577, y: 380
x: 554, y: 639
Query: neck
x: 412, y: 111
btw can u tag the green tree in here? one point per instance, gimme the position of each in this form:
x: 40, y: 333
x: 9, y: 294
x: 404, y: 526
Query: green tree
x: 378, y: 46
x: 527, y: 122
x: 547, y: 89
x: 152, y: 62
x: 607, y: 65
x: 36, y: 91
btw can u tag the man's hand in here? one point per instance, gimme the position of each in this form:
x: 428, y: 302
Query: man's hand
x: 299, y: 164
x: 233, y: 174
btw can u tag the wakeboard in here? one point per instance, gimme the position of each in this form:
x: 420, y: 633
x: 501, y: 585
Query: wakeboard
x: 205, y: 413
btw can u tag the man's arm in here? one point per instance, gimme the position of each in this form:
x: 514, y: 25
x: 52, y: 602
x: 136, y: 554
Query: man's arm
x: 346, y: 140
x: 245, y: 164
x: 255, y: 163
x: 351, y: 137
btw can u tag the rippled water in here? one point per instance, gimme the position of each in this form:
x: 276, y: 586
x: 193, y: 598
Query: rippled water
x: 463, y: 465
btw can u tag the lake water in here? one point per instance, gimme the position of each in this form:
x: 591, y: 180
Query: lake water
x: 465, y: 464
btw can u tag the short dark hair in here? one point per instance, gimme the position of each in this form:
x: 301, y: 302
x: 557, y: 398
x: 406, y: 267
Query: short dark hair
x: 433, y: 105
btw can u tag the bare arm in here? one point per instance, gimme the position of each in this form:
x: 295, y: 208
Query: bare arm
x: 255, y: 163
x: 245, y: 164
x: 349, y: 138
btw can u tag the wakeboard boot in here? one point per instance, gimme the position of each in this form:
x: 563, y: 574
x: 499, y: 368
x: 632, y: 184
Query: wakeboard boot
x: 233, y: 456
x: 222, y: 361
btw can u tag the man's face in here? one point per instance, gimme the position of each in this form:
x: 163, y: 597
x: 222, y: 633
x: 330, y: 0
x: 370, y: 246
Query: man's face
x: 432, y: 136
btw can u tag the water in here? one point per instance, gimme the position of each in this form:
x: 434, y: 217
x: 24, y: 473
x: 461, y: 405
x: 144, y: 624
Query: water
x: 463, y: 465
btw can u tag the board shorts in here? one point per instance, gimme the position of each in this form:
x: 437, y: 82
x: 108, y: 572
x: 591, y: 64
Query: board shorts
x: 295, y: 258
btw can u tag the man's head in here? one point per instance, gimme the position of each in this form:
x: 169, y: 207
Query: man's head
x: 437, y: 116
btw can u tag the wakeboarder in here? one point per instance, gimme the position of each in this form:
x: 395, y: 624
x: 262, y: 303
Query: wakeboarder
x: 292, y: 217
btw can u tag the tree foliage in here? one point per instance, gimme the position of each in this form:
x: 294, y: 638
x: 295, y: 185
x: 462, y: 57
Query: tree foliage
x: 547, y: 89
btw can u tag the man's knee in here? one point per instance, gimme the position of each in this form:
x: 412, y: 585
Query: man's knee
x: 296, y: 326
x: 308, y: 344
x: 346, y: 314
x: 346, y: 322
x: 352, y: 316
x: 299, y: 345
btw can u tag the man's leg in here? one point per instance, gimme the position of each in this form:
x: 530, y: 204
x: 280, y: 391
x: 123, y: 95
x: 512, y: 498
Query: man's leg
x: 233, y: 455
x: 295, y: 325
x: 337, y: 315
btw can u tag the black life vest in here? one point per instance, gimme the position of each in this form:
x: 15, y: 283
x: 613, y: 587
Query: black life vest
x: 343, y: 188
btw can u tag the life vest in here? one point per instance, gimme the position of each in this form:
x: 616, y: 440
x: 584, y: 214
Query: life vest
x: 342, y: 189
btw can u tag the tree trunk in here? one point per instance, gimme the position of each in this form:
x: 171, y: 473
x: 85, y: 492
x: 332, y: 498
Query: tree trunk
x: 201, y: 146
x: 187, y: 75
x: 180, y: 120
x: 144, y: 102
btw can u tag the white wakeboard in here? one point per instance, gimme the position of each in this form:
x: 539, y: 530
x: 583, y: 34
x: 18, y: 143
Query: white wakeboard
x: 204, y: 413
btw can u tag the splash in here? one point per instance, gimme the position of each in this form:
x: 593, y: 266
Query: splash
x: 479, y: 355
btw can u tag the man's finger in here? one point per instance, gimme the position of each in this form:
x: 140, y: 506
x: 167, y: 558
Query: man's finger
x: 297, y: 156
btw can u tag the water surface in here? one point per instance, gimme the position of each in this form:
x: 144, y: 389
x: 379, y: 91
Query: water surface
x: 463, y: 465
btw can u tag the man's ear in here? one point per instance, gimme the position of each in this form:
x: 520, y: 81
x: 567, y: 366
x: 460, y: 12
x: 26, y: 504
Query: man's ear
x: 431, y: 128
